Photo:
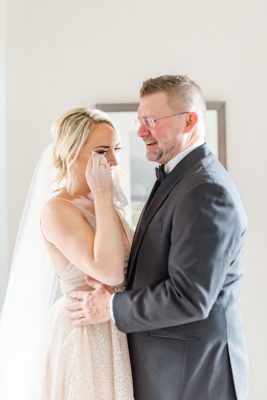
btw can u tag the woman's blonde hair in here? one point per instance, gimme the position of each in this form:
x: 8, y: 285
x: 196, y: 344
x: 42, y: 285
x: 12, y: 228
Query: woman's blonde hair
x: 70, y: 132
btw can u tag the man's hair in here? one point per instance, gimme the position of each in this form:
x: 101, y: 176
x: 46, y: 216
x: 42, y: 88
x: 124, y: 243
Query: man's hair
x: 179, y: 89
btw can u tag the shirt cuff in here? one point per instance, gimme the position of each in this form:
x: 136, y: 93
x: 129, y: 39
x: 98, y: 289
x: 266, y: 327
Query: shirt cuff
x: 111, y: 307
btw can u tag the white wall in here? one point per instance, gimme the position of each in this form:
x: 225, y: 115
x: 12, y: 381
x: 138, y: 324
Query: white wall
x: 63, y: 54
x: 3, y: 172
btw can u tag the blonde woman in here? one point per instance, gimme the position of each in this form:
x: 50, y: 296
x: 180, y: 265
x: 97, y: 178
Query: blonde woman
x: 85, y: 234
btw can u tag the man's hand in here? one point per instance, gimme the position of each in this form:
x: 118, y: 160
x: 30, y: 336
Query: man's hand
x: 90, y: 307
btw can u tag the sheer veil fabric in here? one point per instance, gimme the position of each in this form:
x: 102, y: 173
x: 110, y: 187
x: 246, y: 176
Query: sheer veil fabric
x: 32, y: 289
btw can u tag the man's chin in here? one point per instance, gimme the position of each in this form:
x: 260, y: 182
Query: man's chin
x: 154, y: 157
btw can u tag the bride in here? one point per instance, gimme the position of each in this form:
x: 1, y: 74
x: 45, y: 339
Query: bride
x: 43, y: 355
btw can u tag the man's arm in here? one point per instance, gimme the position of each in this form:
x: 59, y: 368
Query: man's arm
x: 206, y: 232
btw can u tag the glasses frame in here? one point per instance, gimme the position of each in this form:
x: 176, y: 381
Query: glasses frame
x: 149, y: 122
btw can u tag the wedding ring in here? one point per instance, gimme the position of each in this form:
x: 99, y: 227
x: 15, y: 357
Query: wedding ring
x: 80, y: 314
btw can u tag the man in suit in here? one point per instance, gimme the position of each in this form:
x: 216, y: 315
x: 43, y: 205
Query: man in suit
x: 181, y: 306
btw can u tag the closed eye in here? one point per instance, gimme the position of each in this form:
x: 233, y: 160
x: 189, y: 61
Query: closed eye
x: 104, y: 152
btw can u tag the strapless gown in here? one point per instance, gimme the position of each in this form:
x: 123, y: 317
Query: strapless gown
x: 84, y: 363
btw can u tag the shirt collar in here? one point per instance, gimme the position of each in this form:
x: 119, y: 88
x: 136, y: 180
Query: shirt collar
x: 175, y: 160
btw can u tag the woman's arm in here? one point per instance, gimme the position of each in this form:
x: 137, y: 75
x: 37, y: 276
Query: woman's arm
x: 108, y: 242
x: 99, y: 254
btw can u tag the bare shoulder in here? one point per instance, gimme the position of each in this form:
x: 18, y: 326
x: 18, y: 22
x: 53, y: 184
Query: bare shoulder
x: 58, y: 206
x: 59, y: 215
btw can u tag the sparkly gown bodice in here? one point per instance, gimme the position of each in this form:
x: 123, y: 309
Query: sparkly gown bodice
x: 90, y: 362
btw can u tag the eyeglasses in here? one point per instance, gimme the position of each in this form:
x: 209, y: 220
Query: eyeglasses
x: 151, y: 122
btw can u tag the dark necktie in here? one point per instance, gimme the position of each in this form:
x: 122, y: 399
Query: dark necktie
x: 160, y: 173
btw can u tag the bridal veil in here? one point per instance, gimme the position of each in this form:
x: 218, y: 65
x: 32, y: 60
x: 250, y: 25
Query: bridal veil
x: 31, y: 291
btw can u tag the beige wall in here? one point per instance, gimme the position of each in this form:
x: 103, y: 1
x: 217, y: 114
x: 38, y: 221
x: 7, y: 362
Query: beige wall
x: 63, y: 54
x: 3, y: 172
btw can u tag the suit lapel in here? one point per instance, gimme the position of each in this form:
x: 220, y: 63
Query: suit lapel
x: 153, y: 204
x: 152, y: 193
x: 158, y: 196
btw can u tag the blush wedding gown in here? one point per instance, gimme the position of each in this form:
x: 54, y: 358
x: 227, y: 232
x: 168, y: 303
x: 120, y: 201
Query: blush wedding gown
x: 90, y: 362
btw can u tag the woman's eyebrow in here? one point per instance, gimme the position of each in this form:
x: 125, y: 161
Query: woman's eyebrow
x: 106, y: 147
x: 101, y: 147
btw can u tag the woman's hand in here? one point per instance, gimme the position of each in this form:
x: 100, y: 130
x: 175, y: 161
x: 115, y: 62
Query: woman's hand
x: 98, y: 175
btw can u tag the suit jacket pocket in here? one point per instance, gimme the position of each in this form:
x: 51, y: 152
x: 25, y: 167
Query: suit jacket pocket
x: 172, y: 333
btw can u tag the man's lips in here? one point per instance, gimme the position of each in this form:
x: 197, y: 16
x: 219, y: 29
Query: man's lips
x: 150, y: 143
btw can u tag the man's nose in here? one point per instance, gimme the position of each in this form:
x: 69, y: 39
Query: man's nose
x: 143, y: 131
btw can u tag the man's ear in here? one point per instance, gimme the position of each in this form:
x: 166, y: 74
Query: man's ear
x: 191, y: 121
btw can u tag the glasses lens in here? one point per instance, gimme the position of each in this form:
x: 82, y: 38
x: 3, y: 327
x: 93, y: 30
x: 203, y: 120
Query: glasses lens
x: 138, y: 123
x: 147, y: 122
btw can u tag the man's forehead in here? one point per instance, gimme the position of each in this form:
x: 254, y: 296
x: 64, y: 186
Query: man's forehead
x: 153, y: 103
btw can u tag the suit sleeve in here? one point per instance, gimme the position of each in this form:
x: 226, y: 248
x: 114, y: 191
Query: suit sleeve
x: 205, y: 234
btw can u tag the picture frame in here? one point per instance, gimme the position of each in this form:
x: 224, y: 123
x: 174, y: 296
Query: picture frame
x: 138, y: 173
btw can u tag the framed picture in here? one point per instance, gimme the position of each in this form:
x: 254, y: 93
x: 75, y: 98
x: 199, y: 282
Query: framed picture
x: 138, y: 173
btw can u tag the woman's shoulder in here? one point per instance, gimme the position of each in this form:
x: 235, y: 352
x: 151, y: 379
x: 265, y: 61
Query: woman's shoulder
x: 58, y: 206
x: 59, y: 216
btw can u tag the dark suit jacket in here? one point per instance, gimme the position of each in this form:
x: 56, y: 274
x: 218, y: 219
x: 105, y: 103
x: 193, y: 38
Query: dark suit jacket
x: 181, y: 309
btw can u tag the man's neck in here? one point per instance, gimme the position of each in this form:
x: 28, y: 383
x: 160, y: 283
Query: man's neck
x: 170, y: 165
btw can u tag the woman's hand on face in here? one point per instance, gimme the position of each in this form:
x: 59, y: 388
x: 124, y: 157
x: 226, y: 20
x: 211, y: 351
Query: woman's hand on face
x: 98, y: 175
